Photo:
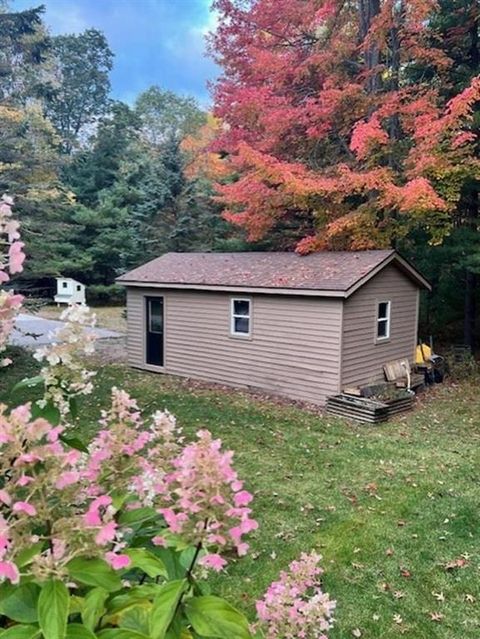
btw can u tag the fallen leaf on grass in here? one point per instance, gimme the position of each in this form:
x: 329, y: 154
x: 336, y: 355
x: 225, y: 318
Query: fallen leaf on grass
x: 389, y: 552
x: 469, y: 598
x: 356, y: 632
x: 436, y: 616
x: 405, y: 573
x: 397, y: 619
x: 461, y: 562
x: 399, y: 594
x: 439, y: 596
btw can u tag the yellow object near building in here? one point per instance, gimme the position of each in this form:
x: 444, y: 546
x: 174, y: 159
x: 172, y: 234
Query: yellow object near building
x: 423, y: 354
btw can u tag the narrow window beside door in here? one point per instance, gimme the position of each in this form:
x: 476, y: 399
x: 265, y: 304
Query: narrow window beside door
x: 383, y: 320
x: 240, y: 317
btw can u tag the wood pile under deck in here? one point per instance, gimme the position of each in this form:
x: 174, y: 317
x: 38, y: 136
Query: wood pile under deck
x: 366, y: 410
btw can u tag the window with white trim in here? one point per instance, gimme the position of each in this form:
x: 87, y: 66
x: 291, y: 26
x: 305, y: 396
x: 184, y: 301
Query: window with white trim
x: 383, y: 320
x: 240, y: 323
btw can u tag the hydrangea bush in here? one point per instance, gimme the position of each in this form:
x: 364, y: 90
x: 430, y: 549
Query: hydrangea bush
x: 116, y: 538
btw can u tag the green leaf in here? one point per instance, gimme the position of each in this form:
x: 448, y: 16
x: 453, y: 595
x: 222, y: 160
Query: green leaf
x: 171, y: 560
x: 53, y: 609
x: 94, y: 572
x: 137, y: 515
x: 25, y: 556
x: 94, y: 607
x: 165, y: 606
x: 120, y: 633
x: 132, y: 596
x: 73, y: 405
x: 214, y: 617
x: 76, y: 605
x: 77, y: 631
x: 137, y: 618
x: 28, y: 382
x: 147, y: 561
x: 20, y: 632
x: 20, y: 603
x: 74, y: 442
x: 49, y: 412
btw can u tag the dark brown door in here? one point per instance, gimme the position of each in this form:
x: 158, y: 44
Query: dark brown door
x: 155, y: 331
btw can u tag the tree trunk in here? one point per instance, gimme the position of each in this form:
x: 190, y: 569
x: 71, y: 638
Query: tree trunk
x: 368, y: 10
x: 471, y: 280
x: 469, y: 322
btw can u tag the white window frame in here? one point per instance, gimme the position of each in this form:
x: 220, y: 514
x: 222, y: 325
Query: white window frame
x: 387, y: 318
x: 234, y: 316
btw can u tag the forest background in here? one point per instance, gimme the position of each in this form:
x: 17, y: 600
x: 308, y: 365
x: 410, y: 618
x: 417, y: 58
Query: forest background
x: 334, y: 125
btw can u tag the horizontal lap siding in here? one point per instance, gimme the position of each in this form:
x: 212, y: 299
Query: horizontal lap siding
x: 363, y: 359
x: 135, y: 327
x: 294, y: 349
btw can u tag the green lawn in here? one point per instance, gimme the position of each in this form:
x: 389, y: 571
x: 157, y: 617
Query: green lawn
x: 394, y: 509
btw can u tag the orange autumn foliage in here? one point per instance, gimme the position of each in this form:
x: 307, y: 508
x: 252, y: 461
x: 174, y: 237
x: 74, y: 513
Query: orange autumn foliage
x: 331, y: 121
x: 201, y: 160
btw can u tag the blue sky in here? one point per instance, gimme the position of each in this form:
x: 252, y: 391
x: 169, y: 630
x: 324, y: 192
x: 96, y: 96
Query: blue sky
x: 154, y: 41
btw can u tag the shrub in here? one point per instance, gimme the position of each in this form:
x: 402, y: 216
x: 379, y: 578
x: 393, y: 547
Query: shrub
x: 105, y: 294
x: 115, y: 538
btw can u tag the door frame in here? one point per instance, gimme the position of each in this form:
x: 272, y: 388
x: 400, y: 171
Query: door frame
x: 146, y: 311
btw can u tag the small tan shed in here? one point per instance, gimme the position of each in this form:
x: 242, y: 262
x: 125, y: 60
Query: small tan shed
x: 301, y: 327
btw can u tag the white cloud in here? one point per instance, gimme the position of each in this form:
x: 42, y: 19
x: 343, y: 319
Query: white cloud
x: 66, y: 17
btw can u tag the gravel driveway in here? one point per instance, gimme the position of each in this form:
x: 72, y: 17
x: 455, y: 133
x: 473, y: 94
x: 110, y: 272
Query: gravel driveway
x: 31, y: 330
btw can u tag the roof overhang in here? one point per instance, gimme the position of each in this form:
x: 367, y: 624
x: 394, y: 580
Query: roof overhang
x: 394, y: 258
x: 402, y: 264
x: 235, y: 289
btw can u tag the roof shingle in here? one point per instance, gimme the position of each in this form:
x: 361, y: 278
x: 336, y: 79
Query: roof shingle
x: 327, y: 271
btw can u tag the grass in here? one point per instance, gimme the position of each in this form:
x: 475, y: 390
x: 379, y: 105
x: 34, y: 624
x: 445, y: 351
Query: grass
x: 389, y: 507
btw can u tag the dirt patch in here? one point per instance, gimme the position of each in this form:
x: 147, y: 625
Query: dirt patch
x: 110, y: 351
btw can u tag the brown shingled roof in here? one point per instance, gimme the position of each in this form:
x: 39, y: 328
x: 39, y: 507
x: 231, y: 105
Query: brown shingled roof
x: 326, y: 271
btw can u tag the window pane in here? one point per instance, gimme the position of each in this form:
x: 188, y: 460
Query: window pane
x: 156, y: 316
x: 241, y: 325
x: 382, y: 328
x: 241, y: 307
x: 383, y: 310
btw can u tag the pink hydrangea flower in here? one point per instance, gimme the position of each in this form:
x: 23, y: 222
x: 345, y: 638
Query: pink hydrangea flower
x: 92, y: 516
x: 242, y: 498
x: 206, y: 502
x: 159, y: 541
x: 67, y: 478
x: 24, y: 480
x: 295, y: 606
x: 16, y: 257
x: 214, y: 561
x: 174, y: 520
x: 106, y: 533
x: 24, y: 507
x: 8, y: 570
x: 117, y: 561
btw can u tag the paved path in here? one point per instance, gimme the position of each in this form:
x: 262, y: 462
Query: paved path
x: 31, y: 330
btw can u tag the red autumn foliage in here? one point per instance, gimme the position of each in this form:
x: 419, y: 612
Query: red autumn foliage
x: 336, y: 118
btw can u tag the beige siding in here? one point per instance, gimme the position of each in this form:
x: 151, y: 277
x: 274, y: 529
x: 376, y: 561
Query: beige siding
x: 294, y: 349
x: 363, y: 357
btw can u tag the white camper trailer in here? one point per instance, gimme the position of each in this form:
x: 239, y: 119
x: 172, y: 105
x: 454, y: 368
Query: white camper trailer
x: 69, y: 291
